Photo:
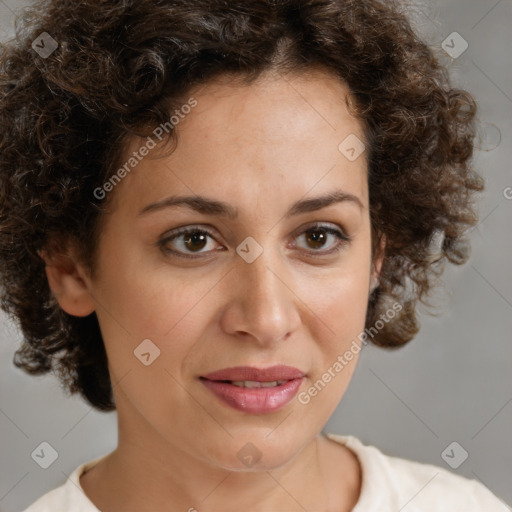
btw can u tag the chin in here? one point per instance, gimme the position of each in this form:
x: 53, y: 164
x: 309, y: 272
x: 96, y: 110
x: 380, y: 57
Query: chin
x: 253, y: 454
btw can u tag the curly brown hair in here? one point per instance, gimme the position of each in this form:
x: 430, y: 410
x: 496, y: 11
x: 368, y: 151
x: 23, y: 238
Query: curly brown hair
x: 122, y: 65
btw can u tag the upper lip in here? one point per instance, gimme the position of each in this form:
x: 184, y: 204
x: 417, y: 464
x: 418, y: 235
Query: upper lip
x: 242, y: 373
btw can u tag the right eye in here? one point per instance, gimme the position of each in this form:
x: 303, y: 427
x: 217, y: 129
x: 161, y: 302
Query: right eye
x: 191, y: 239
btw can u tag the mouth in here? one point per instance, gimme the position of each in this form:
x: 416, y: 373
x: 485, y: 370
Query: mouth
x: 258, y: 396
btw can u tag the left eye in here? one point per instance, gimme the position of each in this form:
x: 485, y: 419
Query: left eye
x: 194, y: 240
x: 317, y: 237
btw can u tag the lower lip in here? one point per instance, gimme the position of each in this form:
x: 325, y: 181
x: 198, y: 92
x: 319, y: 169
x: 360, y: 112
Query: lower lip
x: 254, y: 400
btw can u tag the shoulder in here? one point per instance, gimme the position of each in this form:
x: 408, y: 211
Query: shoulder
x: 52, y: 500
x: 394, y: 483
x: 69, y: 496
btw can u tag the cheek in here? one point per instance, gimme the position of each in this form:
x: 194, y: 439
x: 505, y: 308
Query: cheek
x: 339, y: 318
x: 142, y: 297
x: 347, y: 308
x: 148, y: 331
x: 339, y: 305
x: 340, y: 302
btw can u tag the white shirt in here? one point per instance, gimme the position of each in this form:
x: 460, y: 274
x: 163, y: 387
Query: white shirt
x: 389, y: 484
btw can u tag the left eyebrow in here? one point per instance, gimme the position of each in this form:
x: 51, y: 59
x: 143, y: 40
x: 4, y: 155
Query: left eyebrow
x: 209, y: 206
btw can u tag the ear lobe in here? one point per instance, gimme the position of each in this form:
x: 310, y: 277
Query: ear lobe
x: 67, y: 285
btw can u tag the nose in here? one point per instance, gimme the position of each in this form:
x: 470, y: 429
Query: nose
x: 262, y: 304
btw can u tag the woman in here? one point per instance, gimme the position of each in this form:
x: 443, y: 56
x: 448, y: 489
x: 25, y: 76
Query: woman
x: 205, y: 205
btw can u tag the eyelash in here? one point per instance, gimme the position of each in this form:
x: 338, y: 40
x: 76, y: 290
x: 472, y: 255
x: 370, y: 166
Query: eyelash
x: 343, y: 240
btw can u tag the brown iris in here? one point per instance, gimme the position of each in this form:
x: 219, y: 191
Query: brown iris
x: 195, y: 240
x: 317, y: 236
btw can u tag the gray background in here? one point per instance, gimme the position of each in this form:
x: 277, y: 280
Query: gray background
x: 452, y: 383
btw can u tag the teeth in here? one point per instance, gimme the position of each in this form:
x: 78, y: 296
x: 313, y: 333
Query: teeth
x: 256, y: 384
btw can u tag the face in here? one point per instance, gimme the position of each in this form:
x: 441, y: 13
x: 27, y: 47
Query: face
x: 280, y: 279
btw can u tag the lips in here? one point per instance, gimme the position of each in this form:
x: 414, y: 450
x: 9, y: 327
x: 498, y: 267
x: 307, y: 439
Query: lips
x: 240, y: 387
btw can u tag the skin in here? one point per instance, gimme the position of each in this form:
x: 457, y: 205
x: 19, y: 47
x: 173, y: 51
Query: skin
x: 177, y: 442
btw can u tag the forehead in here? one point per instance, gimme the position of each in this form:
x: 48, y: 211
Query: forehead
x: 281, y: 131
x: 275, y: 110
